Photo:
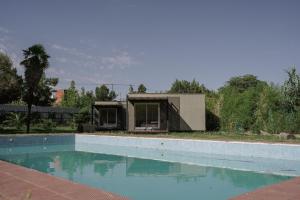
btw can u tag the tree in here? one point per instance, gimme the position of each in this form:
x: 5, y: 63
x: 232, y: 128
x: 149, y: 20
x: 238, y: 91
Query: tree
x: 268, y: 115
x: 291, y: 90
x: 130, y: 89
x: 10, y: 82
x: 43, y: 96
x: 86, y: 99
x: 242, y: 83
x: 84, y: 102
x: 112, y: 95
x: 103, y: 94
x: 35, y: 63
x: 71, y: 96
x: 184, y: 86
x: 239, y: 99
x: 291, y: 102
x: 142, y: 88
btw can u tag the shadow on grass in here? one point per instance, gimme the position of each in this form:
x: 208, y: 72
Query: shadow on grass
x: 13, y: 130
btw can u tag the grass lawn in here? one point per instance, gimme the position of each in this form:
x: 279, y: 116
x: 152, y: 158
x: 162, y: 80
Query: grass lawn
x: 58, y: 129
x: 224, y: 136
x: 208, y: 136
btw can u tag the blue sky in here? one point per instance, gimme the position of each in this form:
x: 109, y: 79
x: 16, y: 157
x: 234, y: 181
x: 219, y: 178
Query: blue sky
x: 155, y: 41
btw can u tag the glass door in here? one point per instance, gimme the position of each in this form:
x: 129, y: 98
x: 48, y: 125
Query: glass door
x: 108, y: 117
x: 147, y: 116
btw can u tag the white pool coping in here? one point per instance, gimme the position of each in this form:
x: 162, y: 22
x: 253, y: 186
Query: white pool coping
x: 233, y: 148
x: 279, y: 159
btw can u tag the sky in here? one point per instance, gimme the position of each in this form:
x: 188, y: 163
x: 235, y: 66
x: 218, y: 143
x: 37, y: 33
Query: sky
x: 155, y: 41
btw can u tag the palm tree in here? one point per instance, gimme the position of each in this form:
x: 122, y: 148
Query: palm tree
x: 35, y: 62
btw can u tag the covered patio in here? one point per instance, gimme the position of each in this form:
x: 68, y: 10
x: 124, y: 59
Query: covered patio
x: 148, y: 114
x: 109, y: 115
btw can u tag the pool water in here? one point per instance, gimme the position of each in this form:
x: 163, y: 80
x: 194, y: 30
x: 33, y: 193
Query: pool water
x: 136, y: 178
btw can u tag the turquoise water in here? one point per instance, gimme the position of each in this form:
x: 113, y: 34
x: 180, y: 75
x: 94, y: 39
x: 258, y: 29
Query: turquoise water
x: 138, y: 179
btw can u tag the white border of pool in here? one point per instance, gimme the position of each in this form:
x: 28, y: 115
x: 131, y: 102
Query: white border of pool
x: 249, y: 149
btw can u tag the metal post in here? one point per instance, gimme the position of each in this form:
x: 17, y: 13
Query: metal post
x: 92, y: 114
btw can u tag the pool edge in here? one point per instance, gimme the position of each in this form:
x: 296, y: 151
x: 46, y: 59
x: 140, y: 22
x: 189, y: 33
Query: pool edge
x: 18, y: 181
x: 286, y: 190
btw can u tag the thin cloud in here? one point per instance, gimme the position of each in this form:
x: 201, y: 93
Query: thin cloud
x: 120, y: 60
x: 72, y: 51
x: 117, y: 59
x: 4, y: 30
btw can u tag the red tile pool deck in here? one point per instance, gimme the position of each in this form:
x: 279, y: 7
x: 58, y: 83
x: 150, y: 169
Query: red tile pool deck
x: 20, y: 183
x: 287, y: 190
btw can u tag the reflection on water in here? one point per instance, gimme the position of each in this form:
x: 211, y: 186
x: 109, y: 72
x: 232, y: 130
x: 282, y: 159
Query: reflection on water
x: 142, y: 178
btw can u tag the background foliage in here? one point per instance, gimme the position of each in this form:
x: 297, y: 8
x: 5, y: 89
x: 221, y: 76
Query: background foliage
x: 243, y: 104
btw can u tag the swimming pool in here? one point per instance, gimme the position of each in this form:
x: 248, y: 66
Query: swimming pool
x: 130, y: 172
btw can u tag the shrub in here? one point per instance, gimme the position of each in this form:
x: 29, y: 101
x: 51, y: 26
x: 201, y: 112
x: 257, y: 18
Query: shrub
x: 47, y: 124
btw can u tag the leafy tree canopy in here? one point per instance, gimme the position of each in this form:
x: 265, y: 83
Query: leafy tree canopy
x: 184, y: 86
x: 104, y: 94
x: 86, y: 99
x: 239, y: 99
x: 142, y: 88
x: 45, y: 90
x: 291, y: 89
x: 130, y: 89
x: 10, y: 82
x: 71, y: 96
x: 242, y: 83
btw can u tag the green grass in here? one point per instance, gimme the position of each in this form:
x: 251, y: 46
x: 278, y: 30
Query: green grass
x: 58, y: 129
x: 223, y: 136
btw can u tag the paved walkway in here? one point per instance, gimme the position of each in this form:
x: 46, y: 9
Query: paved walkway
x: 20, y: 183
x: 287, y: 190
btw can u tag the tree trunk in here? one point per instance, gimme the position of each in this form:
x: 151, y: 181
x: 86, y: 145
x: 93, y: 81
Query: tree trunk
x: 29, y: 105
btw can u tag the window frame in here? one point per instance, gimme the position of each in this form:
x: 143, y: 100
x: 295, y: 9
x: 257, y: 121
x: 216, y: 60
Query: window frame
x: 146, y: 113
x: 106, y: 124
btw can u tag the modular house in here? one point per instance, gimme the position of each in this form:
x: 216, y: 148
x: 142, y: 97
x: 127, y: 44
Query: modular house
x: 109, y: 115
x: 152, y: 112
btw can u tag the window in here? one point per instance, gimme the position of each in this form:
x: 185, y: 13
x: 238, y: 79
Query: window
x: 108, y: 117
x: 147, y: 115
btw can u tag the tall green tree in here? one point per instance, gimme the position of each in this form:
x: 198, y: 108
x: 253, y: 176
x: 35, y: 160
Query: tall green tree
x: 43, y: 95
x: 238, y: 100
x: 130, y: 89
x: 184, y: 86
x: 85, y: 100
x: 291, y: 93
x: 10, y: 81
x: 242, y: 83
x: 142, y: 88
x: 268, y: 115
x: 104, y: 94
x: 35, y: 63
x: 291, y: 89
x: 71, y: 96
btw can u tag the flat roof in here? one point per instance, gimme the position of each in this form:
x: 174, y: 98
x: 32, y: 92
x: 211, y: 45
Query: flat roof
x: 109, y: 103
x: 156, y: 96
x: 147, y: 98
